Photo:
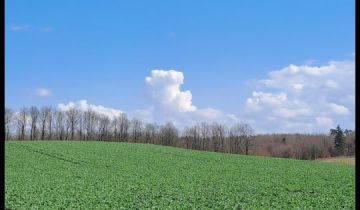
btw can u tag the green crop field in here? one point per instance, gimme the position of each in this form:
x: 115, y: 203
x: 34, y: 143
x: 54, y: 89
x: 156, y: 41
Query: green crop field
x: 103, y: 175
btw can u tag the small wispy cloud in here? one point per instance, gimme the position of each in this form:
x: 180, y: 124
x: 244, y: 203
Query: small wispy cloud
x: 46, y: 29
x: 42, y: 92
x: 19, y: 28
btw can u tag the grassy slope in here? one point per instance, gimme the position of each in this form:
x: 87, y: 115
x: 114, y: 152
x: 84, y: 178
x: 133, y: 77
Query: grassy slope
x: 343, y: 160
x: 74, y: 174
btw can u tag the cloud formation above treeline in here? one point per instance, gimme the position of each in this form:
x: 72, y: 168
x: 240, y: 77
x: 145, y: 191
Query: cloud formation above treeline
x: 296, y: 98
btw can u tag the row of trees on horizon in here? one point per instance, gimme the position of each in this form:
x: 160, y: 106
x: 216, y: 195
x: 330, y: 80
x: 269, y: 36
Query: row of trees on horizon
x: 47, y: 123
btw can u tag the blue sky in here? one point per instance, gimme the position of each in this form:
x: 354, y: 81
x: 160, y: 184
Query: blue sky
x: 102, y: 52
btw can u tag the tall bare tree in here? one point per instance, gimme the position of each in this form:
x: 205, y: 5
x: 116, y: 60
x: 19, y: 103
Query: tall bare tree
x: 34, y: 116
x: 195, y: 136
x: 235, y: 137
x: 187, y: 137
x: 136, y: 129
x: 9, y: 115
x: 150, y: 133
x: 60, y: 124
x: 51, y: 122
x: 45, y: 113
x: 247, y: 136
x: 81, y: 125
x: 168, y: 134
x: 205, y: 133
x: 104, y: 124
x: 72, y: 118
x: 123, y: 126
x: 21, y: 121
x: 218, y: 134
x: 115, y: 129
x: 90, y: 123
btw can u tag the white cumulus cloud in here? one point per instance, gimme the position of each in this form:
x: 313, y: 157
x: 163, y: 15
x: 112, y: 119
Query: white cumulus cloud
x: 170, y: 103
x: 164, y: 88
x: 296, y: 98
x: 309, y: 97
x: 261, y: 99
x: 83, y: 105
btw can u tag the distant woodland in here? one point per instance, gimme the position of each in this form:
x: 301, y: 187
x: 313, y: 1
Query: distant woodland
x: 47, y: 123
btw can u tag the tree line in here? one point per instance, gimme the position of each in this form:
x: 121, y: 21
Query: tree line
x: 48, y: 123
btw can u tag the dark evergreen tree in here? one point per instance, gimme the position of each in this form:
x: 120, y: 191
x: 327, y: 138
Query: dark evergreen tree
x: 339, y: 139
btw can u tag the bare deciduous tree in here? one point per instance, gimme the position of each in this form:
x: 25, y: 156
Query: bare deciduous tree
x: 21, y: 121
x: 247, y: 136
x: 34, y: 115
x: 218, y: 132
x: 235, y: 138
x: 9, y: 115
x: 72, y: 118
x: 136, y: 129
x: 195, y: 136
x: 150, y: 133
x: 90, y: 118
x: 81, y: 127
x: 104, y: 123
x: 123, y: 126
x: 60, y: 124
x: 45, y: 113
x: 51, y: 122
x: 187, y: 137
x: 205, y: 133
x: 168, y: 134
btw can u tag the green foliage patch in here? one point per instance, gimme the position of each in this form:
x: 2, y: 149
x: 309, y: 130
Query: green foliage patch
x: 105, y: 175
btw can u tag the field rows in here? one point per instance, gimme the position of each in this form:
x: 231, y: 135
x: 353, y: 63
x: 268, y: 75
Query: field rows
x: 104, y: 175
